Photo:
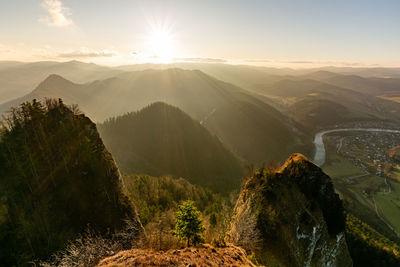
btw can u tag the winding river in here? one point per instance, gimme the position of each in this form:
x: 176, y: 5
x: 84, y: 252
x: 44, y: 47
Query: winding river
x: 320, y: 154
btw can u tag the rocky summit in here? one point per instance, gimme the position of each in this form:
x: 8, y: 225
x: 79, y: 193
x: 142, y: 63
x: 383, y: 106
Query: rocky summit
x: 291, y: 217
x: 57, y: 179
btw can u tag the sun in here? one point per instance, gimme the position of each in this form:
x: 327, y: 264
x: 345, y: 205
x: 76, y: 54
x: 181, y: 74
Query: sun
x: 161, y: 45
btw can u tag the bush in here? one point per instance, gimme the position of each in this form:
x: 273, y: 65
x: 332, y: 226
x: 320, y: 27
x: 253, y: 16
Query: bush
x: 91, y: 247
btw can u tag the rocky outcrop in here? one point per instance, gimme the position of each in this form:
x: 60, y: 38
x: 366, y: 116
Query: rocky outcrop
x: 291, y: 217
x: 56, y: 179
x: 203, y: 256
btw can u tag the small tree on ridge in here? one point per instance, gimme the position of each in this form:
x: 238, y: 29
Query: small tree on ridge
x: 189, y: 225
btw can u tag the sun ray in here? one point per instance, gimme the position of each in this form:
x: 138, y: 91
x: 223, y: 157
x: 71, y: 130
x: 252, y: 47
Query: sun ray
x: 161, y: 44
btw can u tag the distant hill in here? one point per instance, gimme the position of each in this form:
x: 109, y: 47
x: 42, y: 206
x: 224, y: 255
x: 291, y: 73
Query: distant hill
x: 161, y: 140
x: 252, y: 129
x: 18, y: 79
x: 56, y: 179
x: 384, y: 87
x: 318, y: 104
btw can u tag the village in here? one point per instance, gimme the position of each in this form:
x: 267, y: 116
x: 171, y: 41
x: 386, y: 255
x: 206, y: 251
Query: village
x: 368, y: 150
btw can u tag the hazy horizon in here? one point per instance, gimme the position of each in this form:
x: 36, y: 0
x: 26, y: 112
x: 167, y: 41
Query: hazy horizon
x: 263, y: 33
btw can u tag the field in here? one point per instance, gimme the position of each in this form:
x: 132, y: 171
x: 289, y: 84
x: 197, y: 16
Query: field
x: 389, y: 205
x: 358, y: 186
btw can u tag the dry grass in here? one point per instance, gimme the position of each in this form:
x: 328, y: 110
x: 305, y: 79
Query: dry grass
x: 205, y: 255
x: 91, y: 247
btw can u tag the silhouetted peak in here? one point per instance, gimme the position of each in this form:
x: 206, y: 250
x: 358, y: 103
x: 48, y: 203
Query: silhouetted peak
x: 54, y: 80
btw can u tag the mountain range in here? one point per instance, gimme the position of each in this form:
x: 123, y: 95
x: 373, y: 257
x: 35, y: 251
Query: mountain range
x: 231, y: 113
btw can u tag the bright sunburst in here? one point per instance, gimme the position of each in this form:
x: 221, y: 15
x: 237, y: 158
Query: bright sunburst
x: 162, y: 45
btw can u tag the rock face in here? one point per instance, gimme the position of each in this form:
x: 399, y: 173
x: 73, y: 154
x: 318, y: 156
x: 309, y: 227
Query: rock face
x: 56, y: 179
x: 291, y: 217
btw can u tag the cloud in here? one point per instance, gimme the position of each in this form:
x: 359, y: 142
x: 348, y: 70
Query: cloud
x: 258, y: 60
x: 201, y: 59
x: 331, y: 63
x: 4, y: 49
x: 86, y: 52
x: 58, y: 15
x: 302, y: 62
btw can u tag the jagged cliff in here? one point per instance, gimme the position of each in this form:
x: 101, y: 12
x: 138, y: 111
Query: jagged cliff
x: 291, y: 217
x: 56, y: 179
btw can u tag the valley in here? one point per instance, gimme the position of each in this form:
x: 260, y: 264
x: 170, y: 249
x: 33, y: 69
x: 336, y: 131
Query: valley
x: 358, y: 161
x: 199, y: 133
x: 213, y: 134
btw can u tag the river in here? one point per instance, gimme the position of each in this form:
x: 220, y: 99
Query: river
x: 320, y: 153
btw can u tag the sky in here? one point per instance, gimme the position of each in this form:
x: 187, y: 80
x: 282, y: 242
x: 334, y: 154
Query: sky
x: 268, y: 32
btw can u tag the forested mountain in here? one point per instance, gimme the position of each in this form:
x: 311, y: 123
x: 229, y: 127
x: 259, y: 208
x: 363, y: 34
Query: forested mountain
x: 229, y: 112
x: 56, y: 178
x: 161, y: 139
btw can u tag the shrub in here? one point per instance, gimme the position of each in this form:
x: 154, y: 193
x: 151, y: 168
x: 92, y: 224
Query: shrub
x: 91, y: 247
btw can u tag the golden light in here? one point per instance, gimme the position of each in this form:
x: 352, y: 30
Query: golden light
x: 162, y: 45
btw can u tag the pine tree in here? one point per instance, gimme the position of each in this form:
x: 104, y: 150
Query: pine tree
x: 189, y: 225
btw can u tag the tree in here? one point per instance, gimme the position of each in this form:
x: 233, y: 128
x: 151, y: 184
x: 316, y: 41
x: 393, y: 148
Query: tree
x: 189, y: 225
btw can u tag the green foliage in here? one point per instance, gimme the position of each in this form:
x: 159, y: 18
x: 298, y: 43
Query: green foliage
x: 163, y: 140
x: 189, y: 225
x: 154, y: 196
x: 368, y: 247
x: 56, y: 177
x: 213, y: 220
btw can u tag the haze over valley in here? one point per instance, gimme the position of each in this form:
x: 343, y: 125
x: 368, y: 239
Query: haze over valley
x: 183, y: 134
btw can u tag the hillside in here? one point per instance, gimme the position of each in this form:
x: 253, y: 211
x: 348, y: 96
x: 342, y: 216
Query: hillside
x: 18, y: 79
x: 162, y: 140
x: 57, y: 179
x: 156, y: 196
x: 291, y: 217
x: 368, y: 247
x: 317, y: 104
x: 227, y: 111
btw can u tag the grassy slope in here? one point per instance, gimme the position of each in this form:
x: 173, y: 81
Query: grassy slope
x: 389, y: 204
